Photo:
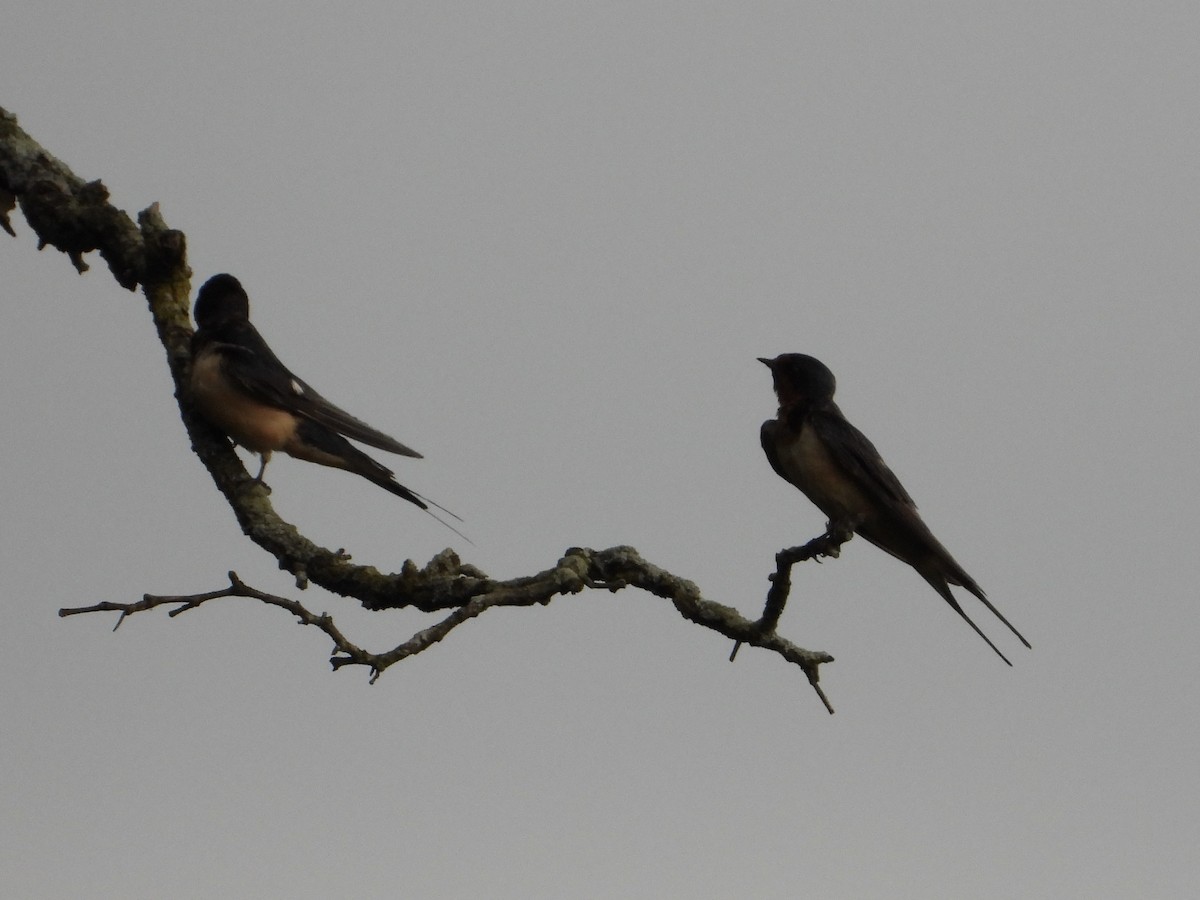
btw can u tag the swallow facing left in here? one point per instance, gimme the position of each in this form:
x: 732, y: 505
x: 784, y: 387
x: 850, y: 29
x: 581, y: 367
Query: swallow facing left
x: 811, y: 444
x: 243, y: 389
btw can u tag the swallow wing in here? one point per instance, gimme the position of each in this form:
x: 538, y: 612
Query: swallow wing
x: 250, y: 363
x: 858, y: 456
x: 767, y: 434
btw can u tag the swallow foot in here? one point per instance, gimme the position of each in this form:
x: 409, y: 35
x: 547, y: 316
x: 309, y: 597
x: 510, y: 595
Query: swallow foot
x: 842, y: 530
x: 264, y: 458
x: 830, y: 543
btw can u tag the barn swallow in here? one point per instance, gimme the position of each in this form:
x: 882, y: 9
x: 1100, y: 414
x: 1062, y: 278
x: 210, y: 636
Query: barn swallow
x: 241, y: 387
x: 811, y: 444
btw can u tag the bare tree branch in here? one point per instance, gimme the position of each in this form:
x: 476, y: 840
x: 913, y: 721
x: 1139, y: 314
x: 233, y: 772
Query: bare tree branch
x: 76, y: 218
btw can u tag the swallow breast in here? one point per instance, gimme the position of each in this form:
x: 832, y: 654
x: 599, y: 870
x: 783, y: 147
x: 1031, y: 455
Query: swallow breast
x: 254, y: 425
x: 815, y: 471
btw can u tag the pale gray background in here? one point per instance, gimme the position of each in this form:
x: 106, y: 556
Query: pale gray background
x: 543, y: 243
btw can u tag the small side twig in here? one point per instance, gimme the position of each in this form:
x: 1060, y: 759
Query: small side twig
x: 237, y: 588
x: 345, y: 653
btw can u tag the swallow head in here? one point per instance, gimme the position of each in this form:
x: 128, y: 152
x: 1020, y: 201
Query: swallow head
x: 800, y: 379
x: 221, y: 299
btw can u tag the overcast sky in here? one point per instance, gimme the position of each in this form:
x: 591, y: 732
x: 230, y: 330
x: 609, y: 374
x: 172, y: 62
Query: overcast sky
x: 543, y: 243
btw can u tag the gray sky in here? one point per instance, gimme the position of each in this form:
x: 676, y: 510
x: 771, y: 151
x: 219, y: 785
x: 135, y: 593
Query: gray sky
x: 543, y: 244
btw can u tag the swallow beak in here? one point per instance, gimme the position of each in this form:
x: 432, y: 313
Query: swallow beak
x: 769, y: 363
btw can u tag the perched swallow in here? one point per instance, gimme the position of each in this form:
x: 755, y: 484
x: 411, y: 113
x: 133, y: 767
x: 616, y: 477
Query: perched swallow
x: 243, y: 389
x: 811, y: 444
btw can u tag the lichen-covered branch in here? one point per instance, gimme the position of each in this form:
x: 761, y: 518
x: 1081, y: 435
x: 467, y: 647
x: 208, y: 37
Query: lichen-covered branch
x: 579, y: 569
x: 76, y: 217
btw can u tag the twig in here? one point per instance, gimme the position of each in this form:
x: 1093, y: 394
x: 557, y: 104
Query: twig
x: 237, y: 588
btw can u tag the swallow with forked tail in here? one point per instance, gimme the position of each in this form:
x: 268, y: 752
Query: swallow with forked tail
x: 240, y: 386
x: 810, y: 444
